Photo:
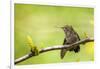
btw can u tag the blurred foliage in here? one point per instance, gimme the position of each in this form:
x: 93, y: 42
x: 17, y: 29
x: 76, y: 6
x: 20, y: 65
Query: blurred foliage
x: 33, y: 47
x: 41, y: 22
x: 89, y: 47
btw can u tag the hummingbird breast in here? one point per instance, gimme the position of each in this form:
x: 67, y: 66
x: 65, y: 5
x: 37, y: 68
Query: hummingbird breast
x: 72, y: 39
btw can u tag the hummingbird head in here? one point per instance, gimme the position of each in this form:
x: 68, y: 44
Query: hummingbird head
x: 67, y: 28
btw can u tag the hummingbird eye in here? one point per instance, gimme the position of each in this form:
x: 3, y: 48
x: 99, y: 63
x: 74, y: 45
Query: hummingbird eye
x: 64, y: 29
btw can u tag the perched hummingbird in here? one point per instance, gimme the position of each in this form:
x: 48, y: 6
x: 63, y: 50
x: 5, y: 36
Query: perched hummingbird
x: 70, y: 37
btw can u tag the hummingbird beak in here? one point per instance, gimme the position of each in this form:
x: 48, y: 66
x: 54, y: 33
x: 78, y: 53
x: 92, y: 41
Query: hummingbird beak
x: 61, y: 27
x: 58, y: 27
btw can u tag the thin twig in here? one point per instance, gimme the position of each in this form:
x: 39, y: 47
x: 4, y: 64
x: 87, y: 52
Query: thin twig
x: 57, y: 47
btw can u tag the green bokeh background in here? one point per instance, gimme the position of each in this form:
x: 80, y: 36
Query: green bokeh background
x: 41, y: 22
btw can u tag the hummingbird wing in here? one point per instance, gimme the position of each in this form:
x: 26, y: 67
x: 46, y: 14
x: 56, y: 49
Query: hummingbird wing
x: 63, y: 51
x: 77, y: 49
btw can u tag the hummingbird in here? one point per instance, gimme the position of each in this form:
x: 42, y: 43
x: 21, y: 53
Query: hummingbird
x: 71, y: 36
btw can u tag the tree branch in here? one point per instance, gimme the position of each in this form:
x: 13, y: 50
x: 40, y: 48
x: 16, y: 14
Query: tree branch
x: 57, y: 47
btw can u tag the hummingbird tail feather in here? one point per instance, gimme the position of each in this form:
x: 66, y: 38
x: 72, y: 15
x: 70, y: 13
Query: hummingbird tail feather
x: 63, y: 52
